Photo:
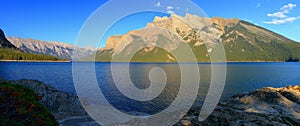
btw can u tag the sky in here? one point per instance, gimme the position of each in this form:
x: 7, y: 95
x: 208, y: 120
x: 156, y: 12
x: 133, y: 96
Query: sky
x: 61, y: 20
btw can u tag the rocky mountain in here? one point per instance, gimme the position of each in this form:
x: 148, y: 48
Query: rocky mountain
x: 242, y: 41
x: 57, y: 49
x: 8, y: 51
x: 4, y: 43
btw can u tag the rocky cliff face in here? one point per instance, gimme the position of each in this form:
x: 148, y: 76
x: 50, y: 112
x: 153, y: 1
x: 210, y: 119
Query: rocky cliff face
x: 58, y: 102
x: 56, y: 49
x: 4, y: 43
x: 190, y: 28
x: 113, y: 41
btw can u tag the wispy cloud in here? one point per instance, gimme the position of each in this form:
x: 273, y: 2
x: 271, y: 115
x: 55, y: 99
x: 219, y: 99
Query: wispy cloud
x: 283, y: 11
x: 281, y: 17
x: 277, y: 14
x: 288, y: 7
x: 170, y: 9
x: 157, y: 4
x: 282, y: 21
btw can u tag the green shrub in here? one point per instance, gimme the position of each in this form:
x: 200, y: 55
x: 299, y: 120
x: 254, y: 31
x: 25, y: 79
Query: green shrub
x: 19, y: 106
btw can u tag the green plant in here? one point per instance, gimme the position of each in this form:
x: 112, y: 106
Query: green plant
x: 19, y: 106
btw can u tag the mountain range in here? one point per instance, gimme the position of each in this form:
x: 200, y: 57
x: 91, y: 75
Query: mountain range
x: 8, y: 51
x: 242, y: 41
x: 57, y: 49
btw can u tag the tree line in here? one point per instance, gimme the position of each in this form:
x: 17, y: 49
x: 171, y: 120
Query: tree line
x: 12, y: 54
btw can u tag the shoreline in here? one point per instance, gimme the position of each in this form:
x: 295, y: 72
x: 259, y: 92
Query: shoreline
x: 194, y: 62
x: 149, y: 62
x: 34, y: 61
x: 239, y: 109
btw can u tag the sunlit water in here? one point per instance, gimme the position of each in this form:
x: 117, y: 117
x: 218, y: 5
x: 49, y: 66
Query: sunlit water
x: 241, y: 77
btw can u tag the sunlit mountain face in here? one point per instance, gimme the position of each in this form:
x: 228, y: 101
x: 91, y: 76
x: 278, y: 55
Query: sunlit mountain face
x: 242, y: 40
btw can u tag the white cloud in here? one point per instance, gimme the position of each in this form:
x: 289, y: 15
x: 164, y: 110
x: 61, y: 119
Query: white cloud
x: 187, y: 9
x: 157, y: 4
x: 282, y: 21
x: 277, y: 14
x: 169, y: 7
x: 170, y: 10
x: 283, y: 11
x: 281, y: 17
x: 288, y: 7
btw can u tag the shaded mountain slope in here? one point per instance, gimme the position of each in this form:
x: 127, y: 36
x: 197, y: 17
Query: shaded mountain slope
x: 4, y: 43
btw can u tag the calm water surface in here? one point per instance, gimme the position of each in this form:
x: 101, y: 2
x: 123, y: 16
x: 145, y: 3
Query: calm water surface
x: 241, y: 77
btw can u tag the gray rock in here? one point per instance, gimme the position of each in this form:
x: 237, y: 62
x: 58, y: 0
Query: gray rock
x: 65, y: 107
x: 266, y: 106
x: 57, y: 102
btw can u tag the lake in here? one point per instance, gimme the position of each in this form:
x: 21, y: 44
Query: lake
x: 241, y: 77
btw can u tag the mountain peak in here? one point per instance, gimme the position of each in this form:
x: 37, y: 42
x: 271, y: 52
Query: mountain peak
x: 4, y: 43
x: 221, y: 23
x: 224, y: 22
x: 242, y: 40
x: 157, y: 18
x: 1, y: 33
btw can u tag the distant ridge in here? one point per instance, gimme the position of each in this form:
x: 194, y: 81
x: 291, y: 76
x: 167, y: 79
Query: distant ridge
x: 11, y: 53
x: 57, y: 49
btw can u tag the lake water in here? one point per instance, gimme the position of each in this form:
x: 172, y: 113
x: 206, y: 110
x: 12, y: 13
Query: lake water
x: 241, y: 77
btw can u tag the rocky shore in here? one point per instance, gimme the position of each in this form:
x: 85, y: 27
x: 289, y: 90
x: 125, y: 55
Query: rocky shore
x: 265, y: 106
x: 64, y: 106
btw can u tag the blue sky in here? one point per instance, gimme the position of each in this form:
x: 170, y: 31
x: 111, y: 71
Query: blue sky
x: 61, y: 20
